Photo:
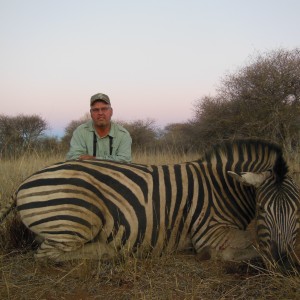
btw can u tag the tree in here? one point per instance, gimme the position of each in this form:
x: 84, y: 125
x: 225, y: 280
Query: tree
x: 20, y: 133
x: 70, y: 128
x: 178, y: 136
x: 261, y: 100
x: 143, y: 133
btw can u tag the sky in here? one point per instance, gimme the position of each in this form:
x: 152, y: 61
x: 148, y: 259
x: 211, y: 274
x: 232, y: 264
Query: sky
x: 154, y: 59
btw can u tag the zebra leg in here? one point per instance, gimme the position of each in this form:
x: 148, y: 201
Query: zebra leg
x: 50, y: 249
x: 68, y: 250
x: 232, y: 245
x: 96, y: 250
x: 234, y: 254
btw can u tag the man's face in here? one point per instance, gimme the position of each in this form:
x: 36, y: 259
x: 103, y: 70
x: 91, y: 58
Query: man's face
x: 101, y: 113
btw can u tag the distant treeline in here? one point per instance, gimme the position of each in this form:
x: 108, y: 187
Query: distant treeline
x: 261, y: 100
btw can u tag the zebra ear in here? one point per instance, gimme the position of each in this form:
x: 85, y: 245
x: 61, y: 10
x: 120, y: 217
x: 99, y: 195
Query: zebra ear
x: 250, y: 178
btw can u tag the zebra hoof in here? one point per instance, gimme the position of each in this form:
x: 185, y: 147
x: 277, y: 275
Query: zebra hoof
x: 204, y: 254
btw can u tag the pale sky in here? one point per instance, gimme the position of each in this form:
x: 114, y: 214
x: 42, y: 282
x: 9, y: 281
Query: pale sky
x: 154, y: 59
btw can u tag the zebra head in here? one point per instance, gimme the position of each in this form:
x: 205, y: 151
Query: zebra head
x: 277, y: 215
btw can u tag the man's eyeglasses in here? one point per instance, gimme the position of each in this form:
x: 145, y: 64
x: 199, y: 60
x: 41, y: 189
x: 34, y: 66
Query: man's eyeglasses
x: 97, y: 110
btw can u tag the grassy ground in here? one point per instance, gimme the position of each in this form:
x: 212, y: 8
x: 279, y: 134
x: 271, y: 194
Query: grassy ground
x: 177, y: 276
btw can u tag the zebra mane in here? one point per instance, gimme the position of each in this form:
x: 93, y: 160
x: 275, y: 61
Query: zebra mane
x: 280, y: 169
x: 227, y: 148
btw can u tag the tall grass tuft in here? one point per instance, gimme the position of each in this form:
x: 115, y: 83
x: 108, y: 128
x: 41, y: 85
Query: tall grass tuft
x: 14, y: 171
x: 153, y: 157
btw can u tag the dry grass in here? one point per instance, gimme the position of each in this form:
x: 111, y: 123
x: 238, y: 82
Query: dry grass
x: 177, y: 276
x: 163, y: 157
x: 13, y: 172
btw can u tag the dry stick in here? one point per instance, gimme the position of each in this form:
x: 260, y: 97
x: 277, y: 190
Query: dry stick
x: 69, y: 273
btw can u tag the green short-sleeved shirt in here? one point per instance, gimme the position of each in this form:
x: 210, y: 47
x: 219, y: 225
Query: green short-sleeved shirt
x: 83, y: 139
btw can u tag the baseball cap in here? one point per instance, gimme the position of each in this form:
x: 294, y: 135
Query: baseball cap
x: 100, y: 97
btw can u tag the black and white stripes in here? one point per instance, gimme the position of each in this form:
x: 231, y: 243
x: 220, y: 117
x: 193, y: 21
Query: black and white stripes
x: 99, y: 208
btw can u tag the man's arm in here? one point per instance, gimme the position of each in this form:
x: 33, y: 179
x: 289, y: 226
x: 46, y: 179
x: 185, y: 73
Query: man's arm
x: 77, y: 146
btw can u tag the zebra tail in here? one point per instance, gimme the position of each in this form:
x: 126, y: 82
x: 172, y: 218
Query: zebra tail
x: 8, y: 207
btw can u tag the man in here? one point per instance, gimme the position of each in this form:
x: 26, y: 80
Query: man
x: 100, y: 138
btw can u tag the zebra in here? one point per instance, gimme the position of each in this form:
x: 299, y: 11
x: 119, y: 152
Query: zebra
x: 96, y: 209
